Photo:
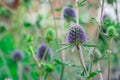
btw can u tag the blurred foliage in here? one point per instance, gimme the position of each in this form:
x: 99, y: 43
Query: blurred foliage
x: 20, y: 31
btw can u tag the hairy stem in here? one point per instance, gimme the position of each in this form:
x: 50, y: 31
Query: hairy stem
x: 46, y: 74
x: 5, y: 63
x: 82, y: 59
x: 109, y: 58
x: 45, y: 55
x: 99, y: 69
x: 91, y: 63
x: 34, y: 56
x: 19, y: 69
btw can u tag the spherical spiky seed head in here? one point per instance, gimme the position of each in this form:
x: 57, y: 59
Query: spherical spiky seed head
x: 42, y: 50
x: 69, y: 13
x: 49, y: 36
x: 110, y: 1
x: 17, y: 56
x: 111, y: 32
x: 76, y: 35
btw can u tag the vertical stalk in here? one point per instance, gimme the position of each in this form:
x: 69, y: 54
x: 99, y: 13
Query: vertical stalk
x: 99, y: 69
x: 34, y: 56
x: 77, y: 12
x: 108, y: 76
x: 91, y: 63
x: 79, y: 47
x: 46, y: 74
x: 109, y: 58
x: 116, y: 11
x: 5, y: 63
x: 19, y: 69
x: 45, y: 54
x: 82, y: 59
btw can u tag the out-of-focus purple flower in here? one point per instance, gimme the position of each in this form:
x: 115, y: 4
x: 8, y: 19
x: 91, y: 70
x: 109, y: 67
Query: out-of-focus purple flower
x: 42, y: 50
x: 17, y: 56
x: 76, y: 35
x: 105, y: 16
x: 69, y: 13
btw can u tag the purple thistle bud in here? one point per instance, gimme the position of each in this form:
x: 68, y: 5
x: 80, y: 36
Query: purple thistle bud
x: 69, y: 13
x: 42, y: 50
x: 17, y: 56
x: 76, y: 35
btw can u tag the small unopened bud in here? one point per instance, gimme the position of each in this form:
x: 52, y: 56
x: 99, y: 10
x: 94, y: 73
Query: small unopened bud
x: 69, y: 13
x: 111, y: 32
x: 49, y: 36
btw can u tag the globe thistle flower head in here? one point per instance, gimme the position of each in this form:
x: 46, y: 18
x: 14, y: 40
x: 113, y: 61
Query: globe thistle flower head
x: 76, y: 35
x: 43, y: 50
x: 17, y: 56
x: 69, y: 13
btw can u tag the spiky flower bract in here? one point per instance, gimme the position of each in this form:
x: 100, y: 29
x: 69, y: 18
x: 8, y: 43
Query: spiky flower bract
x: 17, y: 56
x: 76, y: 35
x: 43, y: 50
x: 69, y: 13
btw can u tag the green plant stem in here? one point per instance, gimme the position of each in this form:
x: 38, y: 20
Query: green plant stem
x: 109, y: 58
x: 34, y: 57
x: 79, y: 49
x: 5, y: 63
x: 91, y: 63
x: 19, y: 69
x: 45, y: 54
x: 99, y: 69
x: 108, y: 76
x: 46, y: 74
